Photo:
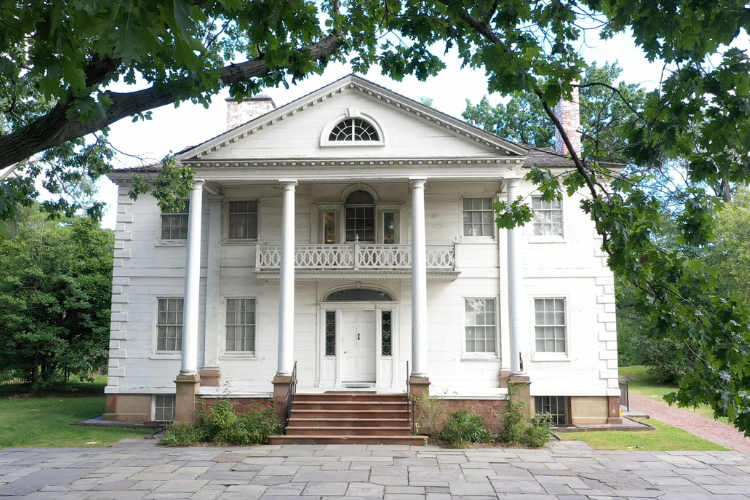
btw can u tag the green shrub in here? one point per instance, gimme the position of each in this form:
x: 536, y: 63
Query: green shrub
x: 428, y: 410
x: 464, y: 426
x: 515, y: 419
x: 539, y: 433
x: 220, y: 423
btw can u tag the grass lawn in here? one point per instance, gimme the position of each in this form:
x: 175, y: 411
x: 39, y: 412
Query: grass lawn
x: 43, y: 422
x: 664, y: 438
x: 643, y: 384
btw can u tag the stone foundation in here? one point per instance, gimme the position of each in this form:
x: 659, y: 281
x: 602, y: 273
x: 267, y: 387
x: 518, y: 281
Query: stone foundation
x: 128, y: 408
x: 589, y: 410
x: 489, y: 409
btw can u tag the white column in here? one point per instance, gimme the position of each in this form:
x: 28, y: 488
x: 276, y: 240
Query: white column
x: 286, y: 287
x: 514, y: 286
x: 189, y: 364
x: 213, y: 284
x: 418, y: 281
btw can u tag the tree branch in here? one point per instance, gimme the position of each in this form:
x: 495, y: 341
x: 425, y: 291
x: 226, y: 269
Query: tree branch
x: 56, y: 127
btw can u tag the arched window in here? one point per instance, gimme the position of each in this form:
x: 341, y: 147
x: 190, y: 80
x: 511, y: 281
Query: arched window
x: 360, y: 216
x: 353, y: 130
x: 359, y: 295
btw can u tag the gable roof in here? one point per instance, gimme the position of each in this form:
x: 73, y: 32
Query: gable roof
x: 354, y: 83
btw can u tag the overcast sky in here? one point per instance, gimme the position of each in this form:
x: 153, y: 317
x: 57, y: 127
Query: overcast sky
x: 171, y: 129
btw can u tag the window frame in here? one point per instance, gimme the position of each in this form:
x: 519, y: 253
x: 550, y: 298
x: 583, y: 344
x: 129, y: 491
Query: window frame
x: 550, y: 356
x: 469, y: 355
x: 154, y: 406
x: 351, y: 113
x: 548, y: 238
x: 156, y: 353
x: 565, y: 405
x: 226, y: 240
x: 225, y: 354
x: 161, y: 241
x: 484, y: 238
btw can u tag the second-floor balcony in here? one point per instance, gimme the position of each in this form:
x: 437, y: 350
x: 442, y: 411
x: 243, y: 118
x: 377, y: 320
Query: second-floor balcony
x: 355, y: 260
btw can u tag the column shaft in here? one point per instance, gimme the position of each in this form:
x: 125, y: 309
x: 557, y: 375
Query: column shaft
x: 514, y: 286
x: 286, y: 287
x: 189, y: 365
x: 418, y: 282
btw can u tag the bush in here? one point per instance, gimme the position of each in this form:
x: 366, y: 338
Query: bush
x: 539, y: 433
x: 221, y: 423
x: 464, y: 426
x: 429, y: 409
x: 515, y: 419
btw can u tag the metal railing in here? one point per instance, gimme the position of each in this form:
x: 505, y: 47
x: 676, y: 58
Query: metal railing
x: 285, y: 405
x: 624, y: 396
x: 410, y: 403
x: 355, y: 256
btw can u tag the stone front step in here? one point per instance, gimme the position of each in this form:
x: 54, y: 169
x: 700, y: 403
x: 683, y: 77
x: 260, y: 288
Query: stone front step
x: 349, y: 418
x: 410, y: 440
x: 348, y: 431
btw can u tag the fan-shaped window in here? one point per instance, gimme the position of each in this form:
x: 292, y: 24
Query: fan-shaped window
x: 359, y: 295
x: 360, y: 216
x: 354, y: 130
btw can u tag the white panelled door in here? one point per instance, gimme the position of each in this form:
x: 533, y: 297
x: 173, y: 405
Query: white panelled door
x: 358, y: 361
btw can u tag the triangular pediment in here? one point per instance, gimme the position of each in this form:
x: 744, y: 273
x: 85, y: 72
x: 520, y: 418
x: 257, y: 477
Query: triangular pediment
x: 409, y: 129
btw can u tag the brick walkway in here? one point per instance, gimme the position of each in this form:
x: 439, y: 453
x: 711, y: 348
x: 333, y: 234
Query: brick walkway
x: 717, y: 432
x: 138, y: 469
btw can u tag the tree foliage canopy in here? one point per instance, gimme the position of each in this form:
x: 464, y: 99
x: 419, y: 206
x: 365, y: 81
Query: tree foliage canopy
x: 55, y: 287
x: 58, y: 58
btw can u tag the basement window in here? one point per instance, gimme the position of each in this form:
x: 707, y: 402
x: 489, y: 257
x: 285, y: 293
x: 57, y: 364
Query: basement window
x: 164, y: 408
x: 555, y: 406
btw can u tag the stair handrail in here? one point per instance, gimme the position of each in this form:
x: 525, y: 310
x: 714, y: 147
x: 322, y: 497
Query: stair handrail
x: 291, y: 391
x: 410, y: 403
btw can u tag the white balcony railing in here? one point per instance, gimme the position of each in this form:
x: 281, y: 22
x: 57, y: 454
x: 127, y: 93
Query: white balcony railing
x: 355, y: 256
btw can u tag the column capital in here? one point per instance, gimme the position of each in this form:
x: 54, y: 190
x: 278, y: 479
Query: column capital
x: 288, y: 183
x: 417, y: 182
x: 198, y: 184
x: 512, y: 181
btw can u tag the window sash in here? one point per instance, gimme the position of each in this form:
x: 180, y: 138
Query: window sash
x: 547, y: 217
x: 169, y: 325
x: 360, y: 223
x: 174, y: 225
x: 330, y: 333
x: 550, y: 329
x: 240, y: 325
x: 480, y: 326
x: 243, y: 220
x: 164, y: 408
x: 478, y: 217
x: 555, y: 406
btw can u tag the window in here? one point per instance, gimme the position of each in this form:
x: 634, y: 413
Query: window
x: 164, y: 408
x: 480, y: 325
x: 386, y: 349
x: 174, y: 225
x: 549, y: 325
x: 359, y: 295
x: 555, y: 406
x: 360, y: 217
x: 329, y: 227
x: 389, y: 228
x: 354, y: 129
x: 478, y: 217
x: 330, y: 333
x: 240, y: 325
x: 243, y: 220
x: 169, y: 325
x: 547, y: 217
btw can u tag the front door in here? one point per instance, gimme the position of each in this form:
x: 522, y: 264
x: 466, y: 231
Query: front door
x: 358, y: 362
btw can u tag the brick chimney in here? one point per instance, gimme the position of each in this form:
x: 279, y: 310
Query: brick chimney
x: 239, y: 113
x: 568, y: 112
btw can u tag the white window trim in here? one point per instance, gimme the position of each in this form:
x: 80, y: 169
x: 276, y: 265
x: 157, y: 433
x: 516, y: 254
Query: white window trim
x: 156, y: 354
x: 476, y: 239
x: 225, y: 240
x: 550, y: 356
x: 548, y: 238
x: 223, y: 353
x: 351, y: 112
x: 380, y: 209
x: 476, y: 356
x: 153, y: 407
x: 160, y: 242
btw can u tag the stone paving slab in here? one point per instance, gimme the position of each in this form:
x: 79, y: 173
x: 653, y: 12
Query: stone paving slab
x: 140, y: 470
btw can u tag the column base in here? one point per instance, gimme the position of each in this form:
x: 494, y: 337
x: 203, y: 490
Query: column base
x: 210, y: 377
x: 419, y: 386
x: 281, y: 387
x: 522, y: 386
x: 184, y: 401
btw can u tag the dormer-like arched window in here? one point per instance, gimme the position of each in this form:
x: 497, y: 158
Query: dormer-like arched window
x: 353, y: 130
